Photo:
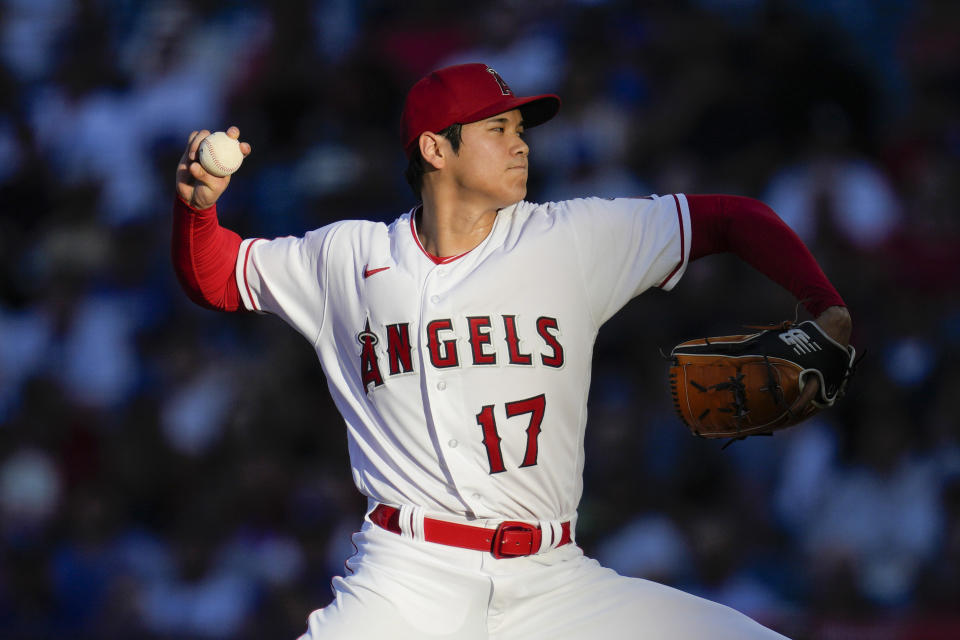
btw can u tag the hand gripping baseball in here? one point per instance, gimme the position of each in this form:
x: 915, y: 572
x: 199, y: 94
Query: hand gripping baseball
x: 194, y: 184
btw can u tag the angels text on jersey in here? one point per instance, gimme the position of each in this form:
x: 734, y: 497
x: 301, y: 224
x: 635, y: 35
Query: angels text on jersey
x: 393, y: 354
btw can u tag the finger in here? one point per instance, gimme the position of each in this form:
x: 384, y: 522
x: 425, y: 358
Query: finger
x: 233, y: 132
x: 195, y: 143
x: 245, y: 148
x: 190, y: 140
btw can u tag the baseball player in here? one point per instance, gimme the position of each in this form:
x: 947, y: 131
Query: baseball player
x: 456, y: 342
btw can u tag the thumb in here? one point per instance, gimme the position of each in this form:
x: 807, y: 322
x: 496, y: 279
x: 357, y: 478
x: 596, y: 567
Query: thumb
x: 807, y: 396
x: 199, y: 173
x: 208, y: 187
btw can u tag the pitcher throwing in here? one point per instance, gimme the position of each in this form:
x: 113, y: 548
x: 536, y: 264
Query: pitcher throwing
x: 457, y: 345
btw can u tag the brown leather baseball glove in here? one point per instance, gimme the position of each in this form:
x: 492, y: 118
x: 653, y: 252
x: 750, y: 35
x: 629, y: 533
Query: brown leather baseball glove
x: 735, y: 386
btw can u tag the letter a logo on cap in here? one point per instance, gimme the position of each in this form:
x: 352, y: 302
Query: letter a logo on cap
x: 504, y: 89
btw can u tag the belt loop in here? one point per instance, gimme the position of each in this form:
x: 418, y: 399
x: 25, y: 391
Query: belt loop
x: 550, y: 532
x: 418, y: 524
x: 411, y: 522
x: 406, y: 528
x: 546, y: 536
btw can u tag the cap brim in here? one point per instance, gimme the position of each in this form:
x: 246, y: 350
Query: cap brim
x: 540, y: 109
x: 535, y: 109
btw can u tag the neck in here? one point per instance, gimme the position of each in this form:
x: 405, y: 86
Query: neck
x: 448, y: 227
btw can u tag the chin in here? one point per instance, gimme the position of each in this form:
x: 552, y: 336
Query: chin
x: 511, y: 194
x: 519, y: 194
x: 512, y: 201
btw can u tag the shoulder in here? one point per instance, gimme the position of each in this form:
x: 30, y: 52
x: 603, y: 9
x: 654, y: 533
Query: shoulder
x: 331, y: 241
x: 350, y: 228
x: 577, y: 209
x: 348, y: 232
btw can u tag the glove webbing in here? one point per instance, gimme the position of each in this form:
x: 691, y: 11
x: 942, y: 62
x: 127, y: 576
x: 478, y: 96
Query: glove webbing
x: 739, y: 405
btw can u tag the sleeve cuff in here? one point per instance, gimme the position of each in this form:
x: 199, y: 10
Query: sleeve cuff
x: 247, y: 279
x: 683, y: 220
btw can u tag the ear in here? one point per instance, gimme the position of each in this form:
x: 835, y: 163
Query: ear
x: 432, y: 149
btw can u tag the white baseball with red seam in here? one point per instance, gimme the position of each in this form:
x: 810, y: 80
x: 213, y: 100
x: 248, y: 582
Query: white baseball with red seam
x: 219, y: 154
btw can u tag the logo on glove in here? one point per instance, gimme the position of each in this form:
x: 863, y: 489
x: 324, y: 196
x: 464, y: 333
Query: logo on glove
x: 800, y: 341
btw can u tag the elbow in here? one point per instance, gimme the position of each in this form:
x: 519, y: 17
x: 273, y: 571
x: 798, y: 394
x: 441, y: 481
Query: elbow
x: 215, y: 297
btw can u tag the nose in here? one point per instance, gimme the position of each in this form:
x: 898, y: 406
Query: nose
x: 521, y: 148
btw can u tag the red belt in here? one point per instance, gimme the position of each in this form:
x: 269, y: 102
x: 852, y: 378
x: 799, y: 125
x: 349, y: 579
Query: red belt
x: 508, y: 540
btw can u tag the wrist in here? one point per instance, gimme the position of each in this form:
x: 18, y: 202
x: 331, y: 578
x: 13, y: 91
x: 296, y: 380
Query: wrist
x: 836, y: 323
x: 197, y: 207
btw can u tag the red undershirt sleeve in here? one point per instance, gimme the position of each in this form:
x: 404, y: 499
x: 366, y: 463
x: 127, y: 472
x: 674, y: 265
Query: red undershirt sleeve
x: 751, y: 230
x: 205, y: 257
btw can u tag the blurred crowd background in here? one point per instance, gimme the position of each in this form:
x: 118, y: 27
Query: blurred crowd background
x: 172, y: 472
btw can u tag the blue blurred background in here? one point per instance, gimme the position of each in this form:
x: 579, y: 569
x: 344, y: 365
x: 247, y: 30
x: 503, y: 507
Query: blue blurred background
x: 171, y: 472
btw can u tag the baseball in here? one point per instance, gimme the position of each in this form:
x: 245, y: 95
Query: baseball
x: 219, y: 154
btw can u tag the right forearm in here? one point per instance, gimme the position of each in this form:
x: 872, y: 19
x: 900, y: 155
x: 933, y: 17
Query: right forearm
x: 205, y: 257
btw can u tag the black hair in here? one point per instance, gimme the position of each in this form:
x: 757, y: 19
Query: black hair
x: 417, y: 166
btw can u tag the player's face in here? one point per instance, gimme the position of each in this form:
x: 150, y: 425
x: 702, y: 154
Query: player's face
x: 492, y: 164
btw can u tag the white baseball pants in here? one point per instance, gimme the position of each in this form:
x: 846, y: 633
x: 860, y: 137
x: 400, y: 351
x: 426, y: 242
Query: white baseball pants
x: 398, y: 588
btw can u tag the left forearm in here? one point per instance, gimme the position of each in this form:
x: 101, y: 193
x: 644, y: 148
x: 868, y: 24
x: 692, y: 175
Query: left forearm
x: 750, y: 229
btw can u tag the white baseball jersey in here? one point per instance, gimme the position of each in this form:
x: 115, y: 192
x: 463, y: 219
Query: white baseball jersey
x: 464, y: 381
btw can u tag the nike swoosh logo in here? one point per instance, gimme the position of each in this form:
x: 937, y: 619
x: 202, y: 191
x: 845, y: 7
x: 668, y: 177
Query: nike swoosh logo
x: 367, y: 271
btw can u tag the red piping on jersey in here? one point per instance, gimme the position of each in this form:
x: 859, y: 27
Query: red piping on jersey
x: 435, y: 259
x: 246, y: 283
x: 682, y: 246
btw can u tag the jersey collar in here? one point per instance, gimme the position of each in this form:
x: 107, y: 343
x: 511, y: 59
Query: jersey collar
x: 433, y: 258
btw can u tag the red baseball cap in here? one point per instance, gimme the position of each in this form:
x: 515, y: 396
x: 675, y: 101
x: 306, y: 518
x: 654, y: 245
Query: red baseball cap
x: 466, y: 93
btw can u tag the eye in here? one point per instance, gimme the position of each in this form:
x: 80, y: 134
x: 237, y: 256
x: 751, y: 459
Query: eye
x: 500, y: 129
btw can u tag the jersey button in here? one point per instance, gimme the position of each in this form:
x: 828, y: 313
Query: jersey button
x: 453, y: 444
x: 434, y: 299
x: 441, y: 385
